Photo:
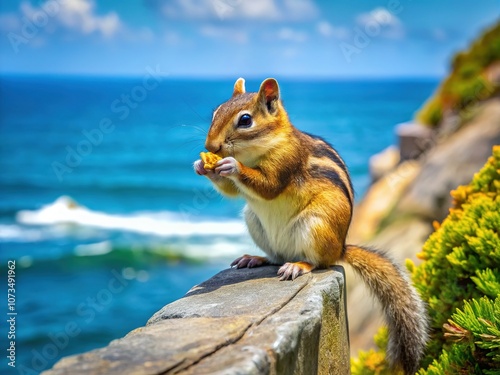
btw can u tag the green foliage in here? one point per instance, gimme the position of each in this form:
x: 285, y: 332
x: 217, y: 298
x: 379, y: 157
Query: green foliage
x: 459, y: 279
x: 431, y: 113
x: 373, y: 362
x: 487, y: 282
x: 454, y: 362
x: 462, y: 258
x: 475, y: 330
x: 467, y: 83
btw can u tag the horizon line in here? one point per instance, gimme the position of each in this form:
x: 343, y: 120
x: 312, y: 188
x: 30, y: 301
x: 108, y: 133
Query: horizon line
x: 223, y: 77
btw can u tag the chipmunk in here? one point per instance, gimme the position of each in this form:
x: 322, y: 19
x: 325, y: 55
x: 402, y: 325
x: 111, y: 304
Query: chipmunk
x: 299, y: 202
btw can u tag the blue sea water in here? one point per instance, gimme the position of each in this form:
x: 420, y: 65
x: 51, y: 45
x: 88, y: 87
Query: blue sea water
x: 100, y: 208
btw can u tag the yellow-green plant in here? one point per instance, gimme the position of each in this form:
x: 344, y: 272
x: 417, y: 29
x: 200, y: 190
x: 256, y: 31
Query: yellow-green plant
x: 475, y: 332
x: 459, y: 279
x: 467, y: 82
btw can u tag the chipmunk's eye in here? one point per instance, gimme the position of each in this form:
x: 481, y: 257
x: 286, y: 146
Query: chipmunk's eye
x: 245, y: 121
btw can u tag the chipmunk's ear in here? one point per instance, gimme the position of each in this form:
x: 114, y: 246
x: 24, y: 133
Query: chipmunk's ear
x: 239, y: 87
x: 269, y: 94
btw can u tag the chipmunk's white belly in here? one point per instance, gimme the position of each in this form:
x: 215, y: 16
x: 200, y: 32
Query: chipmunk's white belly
x: 279, y: 229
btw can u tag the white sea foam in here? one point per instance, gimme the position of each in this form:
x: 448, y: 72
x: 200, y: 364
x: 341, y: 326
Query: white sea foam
x: 166, y: 224
x: 99, y: 248
x: 30, y: 233
x: 17, y: 233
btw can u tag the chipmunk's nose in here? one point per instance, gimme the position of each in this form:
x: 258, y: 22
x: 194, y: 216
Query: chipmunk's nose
x: 213, y: 146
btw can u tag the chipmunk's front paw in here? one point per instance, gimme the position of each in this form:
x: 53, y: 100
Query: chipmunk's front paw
x: 228, y: 167
x: 199, y: 168
x: 293, y: 270
x: 249, y: 261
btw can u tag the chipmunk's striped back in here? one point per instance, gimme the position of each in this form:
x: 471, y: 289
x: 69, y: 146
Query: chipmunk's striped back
x: 336, y: 170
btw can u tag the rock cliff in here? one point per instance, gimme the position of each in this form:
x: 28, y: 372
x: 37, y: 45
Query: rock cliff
x: 399, y: 208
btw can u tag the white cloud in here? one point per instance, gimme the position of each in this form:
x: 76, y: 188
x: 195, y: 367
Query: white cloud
x: 300, y: 9
x: 256, y: 9
x: 390, y: 26
x: 237, y: 11
x: 262, y: 10
x: 77, y: 15
x: 381, y: 15
x: 222, y: 9
x: 327, y: 30
x: 291, y: 35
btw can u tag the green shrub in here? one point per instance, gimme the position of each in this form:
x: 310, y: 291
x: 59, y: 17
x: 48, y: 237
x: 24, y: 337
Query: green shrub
x: 475, y: 332
x: 466, y: 84
x: 459, y: 280
x: 431, y: 113
x: 373, y: 362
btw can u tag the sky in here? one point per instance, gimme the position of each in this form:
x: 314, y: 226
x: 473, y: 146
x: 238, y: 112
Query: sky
x: 229, y: 38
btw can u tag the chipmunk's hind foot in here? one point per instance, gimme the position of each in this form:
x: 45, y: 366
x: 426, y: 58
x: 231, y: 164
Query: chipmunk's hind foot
x: 293, y: 270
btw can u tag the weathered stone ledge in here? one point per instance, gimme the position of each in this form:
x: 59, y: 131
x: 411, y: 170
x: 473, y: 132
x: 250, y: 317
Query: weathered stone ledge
x: 238, y: 322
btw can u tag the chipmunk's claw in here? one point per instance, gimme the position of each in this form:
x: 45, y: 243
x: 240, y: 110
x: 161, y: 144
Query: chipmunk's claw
x: 227, y: 167
x: 293, y: 270
x: 249, y: 261
x: 198, y: 168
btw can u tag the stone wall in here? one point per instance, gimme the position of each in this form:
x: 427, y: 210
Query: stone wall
x: 238, y: 322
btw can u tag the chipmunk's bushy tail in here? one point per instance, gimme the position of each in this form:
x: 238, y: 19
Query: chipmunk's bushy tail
x: 404, y: 310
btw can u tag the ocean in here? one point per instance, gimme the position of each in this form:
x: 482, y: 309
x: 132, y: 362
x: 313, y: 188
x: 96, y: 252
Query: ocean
x: 102, y: 219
